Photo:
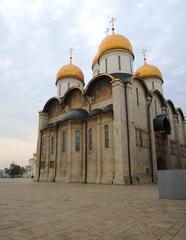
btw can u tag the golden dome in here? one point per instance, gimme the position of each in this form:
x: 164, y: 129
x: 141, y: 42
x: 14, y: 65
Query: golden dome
x: 70, y: 70
x: 113, y: 42
x: 148, y: 70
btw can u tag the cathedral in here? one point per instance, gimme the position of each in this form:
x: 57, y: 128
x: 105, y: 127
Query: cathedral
x: 118, y: 129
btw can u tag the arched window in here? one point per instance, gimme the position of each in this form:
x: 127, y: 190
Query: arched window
x: 77, y: 141
x: 64, y: 142
x: 106, y: 68
x: 90, y: 139
x: 52, y: 145
x: 106, y: 132
x: 119, y: 63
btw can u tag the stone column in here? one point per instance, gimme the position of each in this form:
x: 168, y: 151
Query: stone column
x: 121, y: 167
x: 43, y: 121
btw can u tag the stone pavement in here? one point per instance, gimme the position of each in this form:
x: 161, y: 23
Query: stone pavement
x: 56, y: 211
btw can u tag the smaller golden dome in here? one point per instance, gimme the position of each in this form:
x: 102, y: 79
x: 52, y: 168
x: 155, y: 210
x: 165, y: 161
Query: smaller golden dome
x: 70, y: 70
x: 95, y: 60
x: 115, y: 42
x: 148, y: 70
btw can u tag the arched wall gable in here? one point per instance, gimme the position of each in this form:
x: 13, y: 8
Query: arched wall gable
x: 171, y: 112
x: 142, y: 83
x: 100, y: 89
x: 180, y: 112
x: 53, y: 107
x: 75, y: 98
x: 158, y: 103
x: 159, y: 96
x: 95, y: 80
x: 180, y: 126
x: 171, y: 106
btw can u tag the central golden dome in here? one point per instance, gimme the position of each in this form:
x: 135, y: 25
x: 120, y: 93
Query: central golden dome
x: 148, y: 70
x: 114, y: 42
x: 70, y: 70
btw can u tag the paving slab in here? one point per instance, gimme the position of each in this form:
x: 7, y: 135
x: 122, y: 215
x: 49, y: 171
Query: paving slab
x: 46, y: 211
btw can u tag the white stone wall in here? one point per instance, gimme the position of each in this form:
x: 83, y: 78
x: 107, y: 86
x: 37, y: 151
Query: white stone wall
x: 154, y: 84
x: 126, y: 62
x: 64, y: 84
x: 141, y: 155
x: 171, y: 119
x: 139, y: 113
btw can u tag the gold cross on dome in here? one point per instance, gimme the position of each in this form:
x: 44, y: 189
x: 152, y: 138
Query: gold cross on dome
x: 70, y: 53
x: 107, y: 31
x: 144, y: 55
x: 112, y: 22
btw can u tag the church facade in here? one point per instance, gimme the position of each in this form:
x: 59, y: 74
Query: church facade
x: 119, y: 129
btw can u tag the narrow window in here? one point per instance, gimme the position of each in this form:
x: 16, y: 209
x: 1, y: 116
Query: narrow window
x: 43, y: 149
x: 77, y: 141
x: 130, y: 61
x: 59, y: 89
x: 119, y: 63
x: 106, y: 130
x: 138, y: 137
x: 90, y: 139
x: 68, y: 85
x: 64, y: 142
x: 106, y: 65
x: 153, y: 85
x: 155, y: 107
x: 137, y: 96
x: 52, y: 145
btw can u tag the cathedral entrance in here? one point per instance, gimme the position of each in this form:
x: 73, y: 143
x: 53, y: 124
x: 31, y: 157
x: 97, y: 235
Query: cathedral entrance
x: 160, y: 141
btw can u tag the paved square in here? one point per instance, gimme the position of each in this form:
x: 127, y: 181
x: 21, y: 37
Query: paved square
x: 52, y: 211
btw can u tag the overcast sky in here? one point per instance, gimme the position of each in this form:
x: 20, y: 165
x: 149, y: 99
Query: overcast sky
x: 35, y: 37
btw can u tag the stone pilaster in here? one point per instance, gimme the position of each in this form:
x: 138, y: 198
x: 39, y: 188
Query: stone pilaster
x: 152, y: 138
x: 121, y: 167
x: 98, y: 149
x: 132, y: 135
x: 59, y: 150
x: 69, y: 149
x: 175, y: 119
x: 43, y: 121
x: 84, y: 153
